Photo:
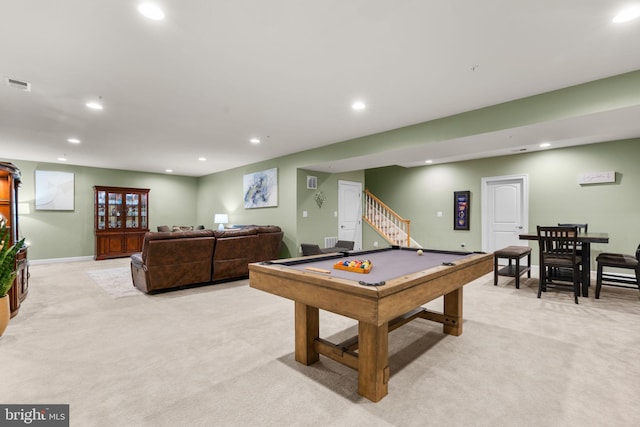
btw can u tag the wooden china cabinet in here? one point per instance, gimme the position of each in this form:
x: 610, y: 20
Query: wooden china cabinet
x: 9, y: 182
x: 121, y: 220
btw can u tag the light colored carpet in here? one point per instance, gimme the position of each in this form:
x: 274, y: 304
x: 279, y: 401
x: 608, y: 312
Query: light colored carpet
x: 115, y: 281
x: 222, y: 355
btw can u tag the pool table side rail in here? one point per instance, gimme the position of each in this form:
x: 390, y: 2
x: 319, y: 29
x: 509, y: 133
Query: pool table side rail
x: 418, y: 289
x: 371, y: 304
x: 315, y: 290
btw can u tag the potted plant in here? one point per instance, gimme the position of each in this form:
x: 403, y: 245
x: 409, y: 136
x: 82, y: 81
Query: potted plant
x: 7, y: 272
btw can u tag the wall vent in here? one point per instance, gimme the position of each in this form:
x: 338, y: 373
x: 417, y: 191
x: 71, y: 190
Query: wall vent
x: 18, y: 84
x: 330, y: 242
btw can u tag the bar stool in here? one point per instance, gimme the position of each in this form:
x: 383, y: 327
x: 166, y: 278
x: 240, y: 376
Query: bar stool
x: 512, y: 253
x: 630, y: 262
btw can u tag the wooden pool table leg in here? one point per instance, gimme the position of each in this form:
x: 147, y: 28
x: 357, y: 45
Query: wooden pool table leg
x: 453, y: 313
x: 307, y: 325
x: 373, y: 354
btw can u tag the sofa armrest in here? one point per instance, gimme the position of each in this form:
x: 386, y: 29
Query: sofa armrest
x: 137, y: 258
x: 139, y: 272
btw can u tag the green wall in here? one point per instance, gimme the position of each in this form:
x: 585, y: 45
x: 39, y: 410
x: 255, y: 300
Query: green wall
x: 414, y: 193
x: 588, y: 98
x: 320, y: 222
x: 69, y: 234
x: 222, y: 193
x: 554, y: 194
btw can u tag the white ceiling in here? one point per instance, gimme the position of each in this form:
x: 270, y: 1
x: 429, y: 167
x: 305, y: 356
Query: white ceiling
x: 216, y: 73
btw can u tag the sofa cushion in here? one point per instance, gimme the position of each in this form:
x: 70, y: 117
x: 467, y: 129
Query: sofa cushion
x: 232, y: 254
x: 173, y: 259
x: 234, y: 232
x: 268, y: 228
x: 269, y: 243
x: 177, y: 258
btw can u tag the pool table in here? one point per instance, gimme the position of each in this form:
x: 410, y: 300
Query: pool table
x: 399, y: 282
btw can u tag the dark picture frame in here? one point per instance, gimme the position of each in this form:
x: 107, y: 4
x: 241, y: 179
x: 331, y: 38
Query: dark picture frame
x: 461, y: 209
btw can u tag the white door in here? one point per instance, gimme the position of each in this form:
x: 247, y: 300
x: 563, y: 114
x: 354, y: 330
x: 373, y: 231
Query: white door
x: 350, y: 212
x: 505, y: 211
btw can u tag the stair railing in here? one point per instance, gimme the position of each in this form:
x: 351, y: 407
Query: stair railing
x: 385, y: 221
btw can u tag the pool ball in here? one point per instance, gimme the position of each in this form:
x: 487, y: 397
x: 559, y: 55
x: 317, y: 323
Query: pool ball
x: 419, y: 252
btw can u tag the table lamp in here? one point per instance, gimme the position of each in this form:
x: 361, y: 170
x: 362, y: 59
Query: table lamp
x: 221, y: 219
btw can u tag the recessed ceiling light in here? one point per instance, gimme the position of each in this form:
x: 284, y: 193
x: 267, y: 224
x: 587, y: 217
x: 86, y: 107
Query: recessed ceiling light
x: 168, y: 170
x: 545, y: 145
x: 254, y: 141
x: 358, y: 105
x: 151, y: 11
x: 62, y: 159
x: 94, y: 105
x: 627, y: 14
x: 428, y: 161
x: 202, y: 159
x: 73, y: 140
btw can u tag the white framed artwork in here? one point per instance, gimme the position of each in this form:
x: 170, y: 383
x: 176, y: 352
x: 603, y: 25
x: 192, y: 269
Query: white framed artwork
x: 55, y: 190
x: 261, y: 189
x: 312, y: 182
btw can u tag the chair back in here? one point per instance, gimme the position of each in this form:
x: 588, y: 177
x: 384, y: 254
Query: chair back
x: 582, y: 228
x: 558, y: 244
x: 310, y: 249
x: 346, y: 244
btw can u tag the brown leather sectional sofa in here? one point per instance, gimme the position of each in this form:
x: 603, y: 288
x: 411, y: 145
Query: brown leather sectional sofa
x: 179, y: 258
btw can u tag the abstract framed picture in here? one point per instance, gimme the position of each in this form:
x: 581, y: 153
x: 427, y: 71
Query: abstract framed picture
x: 461, y: 206
x: 54, y: 191
x: 261, y: 189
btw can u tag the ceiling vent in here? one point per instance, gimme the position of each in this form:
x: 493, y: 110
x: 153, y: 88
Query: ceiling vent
x: 18, y: 84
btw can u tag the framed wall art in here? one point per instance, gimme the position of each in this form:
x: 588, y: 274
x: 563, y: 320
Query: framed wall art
x: 54, y: 190
x: 261, y: 189
x: 312, y: 182
x: 461, y: 207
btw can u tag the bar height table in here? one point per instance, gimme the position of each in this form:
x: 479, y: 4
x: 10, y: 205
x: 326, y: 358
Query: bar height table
x: 586, y: 239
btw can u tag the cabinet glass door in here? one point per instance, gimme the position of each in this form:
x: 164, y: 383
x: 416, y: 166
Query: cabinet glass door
x: 101, y: 209
x: 132, y: 201
x: 114, y: 209
x: 143, y: 210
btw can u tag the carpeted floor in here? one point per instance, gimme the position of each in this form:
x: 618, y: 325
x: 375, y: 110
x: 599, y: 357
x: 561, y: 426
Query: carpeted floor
x: 222, y: 355
x: 115, y: 281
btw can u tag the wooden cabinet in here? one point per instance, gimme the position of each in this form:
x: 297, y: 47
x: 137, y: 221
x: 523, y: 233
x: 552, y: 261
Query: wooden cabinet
x: 9, y: 182
x: 121, y: 220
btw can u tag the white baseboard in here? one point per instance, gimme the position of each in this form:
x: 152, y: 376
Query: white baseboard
x: 54, y: 260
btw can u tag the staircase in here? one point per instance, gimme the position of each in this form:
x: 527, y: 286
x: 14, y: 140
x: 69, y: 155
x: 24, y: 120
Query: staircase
x: 390, y: 225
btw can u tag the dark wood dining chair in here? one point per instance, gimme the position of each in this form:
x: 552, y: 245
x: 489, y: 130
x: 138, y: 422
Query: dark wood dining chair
x: 583, y: 255
x: 558, y: 250
x: 582, y: 228
x: 617, y: 261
